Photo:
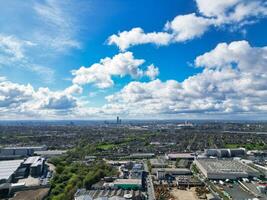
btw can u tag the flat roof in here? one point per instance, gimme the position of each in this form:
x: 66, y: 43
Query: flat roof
x: 24, y: 147
x: 51, y: 152
x: 158, y: 162
x: 142, y: 154
x: 181, y: 155
x: 174, y: 170
x: 225, y: 165
x: 128, y: 181
x: 31, y: 160
x: 8, y: 167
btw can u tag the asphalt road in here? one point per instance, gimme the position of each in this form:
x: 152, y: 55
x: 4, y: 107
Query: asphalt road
x: 150, y: 186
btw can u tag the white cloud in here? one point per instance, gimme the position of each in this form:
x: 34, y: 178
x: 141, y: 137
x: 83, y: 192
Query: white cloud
x: 211, y: 13
x: 219, y: 8
x: 248, y: 59
x: 152, y: 72
x: 100, y: 74
x: 187, y: 27
x: 12, y: 48
x: 136, y: 36
x: 234, y: 80
x: 23, y: 100
x: 232, y: 11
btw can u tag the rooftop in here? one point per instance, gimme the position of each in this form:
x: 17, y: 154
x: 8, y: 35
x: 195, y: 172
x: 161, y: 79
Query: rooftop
x: 128, y: 181
x: 7, y: 168
x: 180, y: 155
x: 226, y: 165
x: 157, y: 162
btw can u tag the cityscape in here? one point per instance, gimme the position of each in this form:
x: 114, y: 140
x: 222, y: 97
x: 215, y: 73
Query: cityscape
x: 136, y: 160
x: 133, y: 100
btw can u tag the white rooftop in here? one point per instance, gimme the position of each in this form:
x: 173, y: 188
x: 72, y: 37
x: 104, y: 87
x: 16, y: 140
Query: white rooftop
x: 8, y: 167
x: 31, y: 160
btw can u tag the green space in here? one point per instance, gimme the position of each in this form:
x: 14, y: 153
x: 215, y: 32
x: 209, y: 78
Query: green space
x: 105, y: 146
x: 71, y: 175
x: 249, y: 146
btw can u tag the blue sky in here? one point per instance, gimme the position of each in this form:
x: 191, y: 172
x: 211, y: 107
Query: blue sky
x: 142, y: 59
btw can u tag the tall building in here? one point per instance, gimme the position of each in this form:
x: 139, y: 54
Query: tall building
x: 118, y: 120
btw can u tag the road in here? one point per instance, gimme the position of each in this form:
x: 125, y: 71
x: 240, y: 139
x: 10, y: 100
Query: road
x: 150, y: 186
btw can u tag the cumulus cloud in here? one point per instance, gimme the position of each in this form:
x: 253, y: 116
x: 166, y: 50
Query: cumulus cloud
x: 100, y: 74
x: 25, y: 100
x: 232, y: 11
x: 187, y: 27
x: 137, y: 36
x: 233, y: 80
x: 152, y: 72
x: 211, y: 13
x: 248, y: 59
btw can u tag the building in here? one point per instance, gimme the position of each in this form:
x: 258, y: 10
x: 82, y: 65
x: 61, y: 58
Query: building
x: 7, y: 172
x: 175, y: 156
x: 262, y: 169
x: 118, y: 120
x: 50, y: 153
x: 224, y: 153
x: 128, y: 184
x: 161, y: 173
x: 35, y: 165
x: 225, y: 169
x: 111, y: 194
x: 142, y: 155
x: 8, y: 169
x: 21, y: 151
x: 158, y: 163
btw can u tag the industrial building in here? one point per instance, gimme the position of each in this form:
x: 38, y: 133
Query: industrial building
x: 142, y: 155
x: 225, y: 169
x: 161, y: 173
x: 21, y: 151
x: 175, y: 156
x: 7, y: 174
x: 35, y: 165
x: 7, y: 170
x: 128, y: 184
x: 117, y: 194
x: 224, y: 153
x: 50, y: 153
x: 158, y: 163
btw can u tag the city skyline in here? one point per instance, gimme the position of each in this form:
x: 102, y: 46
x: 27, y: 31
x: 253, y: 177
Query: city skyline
x: 199, y: 59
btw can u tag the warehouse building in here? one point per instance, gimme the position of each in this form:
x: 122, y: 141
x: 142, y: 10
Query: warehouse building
x: 161, y: 173
x: 225, y: 153
x: 158, y: 163
x: 225, y: 169
x: 128, y: 184
x: 116, y: 194
x: 35, y: 165
x: 51, y: 153
x: 7, y: 170
x: 7, y: 174
x: 175, y: 156
x: 142, y: 155
x: 21, y: 151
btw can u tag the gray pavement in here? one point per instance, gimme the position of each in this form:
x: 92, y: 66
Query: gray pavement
x: 150, y: 186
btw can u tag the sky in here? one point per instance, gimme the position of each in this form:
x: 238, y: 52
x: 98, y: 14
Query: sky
x: 142, y: 59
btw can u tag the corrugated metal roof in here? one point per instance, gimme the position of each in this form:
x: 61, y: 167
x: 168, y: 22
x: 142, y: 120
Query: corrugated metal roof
x: 8, y: 167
